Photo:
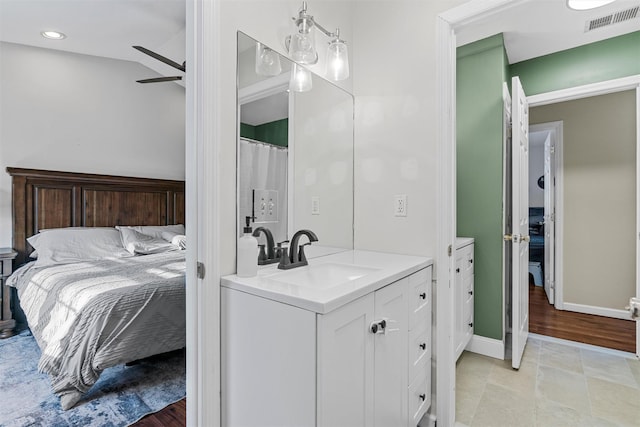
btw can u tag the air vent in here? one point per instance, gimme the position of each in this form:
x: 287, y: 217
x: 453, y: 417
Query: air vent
x: 614, y: 18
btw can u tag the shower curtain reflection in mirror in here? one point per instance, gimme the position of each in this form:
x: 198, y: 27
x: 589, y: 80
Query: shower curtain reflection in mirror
x: 263, y: 187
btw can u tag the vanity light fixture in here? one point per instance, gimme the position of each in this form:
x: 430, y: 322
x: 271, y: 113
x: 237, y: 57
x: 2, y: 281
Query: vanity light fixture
x: 267, y: 61
x: 300, y: 79
x: 587, y: 4
x: 53, y: 35
x: 302, y: 49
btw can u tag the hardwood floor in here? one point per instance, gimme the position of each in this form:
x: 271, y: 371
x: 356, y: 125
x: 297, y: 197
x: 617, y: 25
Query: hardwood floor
x: 544, y: 319
x: 174, y: 415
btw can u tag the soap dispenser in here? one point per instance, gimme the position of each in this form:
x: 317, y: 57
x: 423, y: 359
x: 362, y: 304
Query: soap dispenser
x: 247, y: 253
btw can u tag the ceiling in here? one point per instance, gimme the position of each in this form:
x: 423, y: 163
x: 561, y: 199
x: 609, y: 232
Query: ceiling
x: 535, y: 28
x: 109, y: 28
x: 106, y: 28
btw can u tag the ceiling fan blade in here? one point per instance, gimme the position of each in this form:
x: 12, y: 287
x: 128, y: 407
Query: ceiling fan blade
x: 161, y: 58
x: 160, y: 79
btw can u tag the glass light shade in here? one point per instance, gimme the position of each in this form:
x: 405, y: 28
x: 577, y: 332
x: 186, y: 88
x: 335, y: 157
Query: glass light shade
x: 302, y: 46
x: 337, y: 60
x: 300, y: 79
x: 267, y: 61
x: 587, y: 4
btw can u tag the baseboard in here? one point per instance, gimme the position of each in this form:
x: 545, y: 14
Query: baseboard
x: 598, y: 311
x: 486, y: 346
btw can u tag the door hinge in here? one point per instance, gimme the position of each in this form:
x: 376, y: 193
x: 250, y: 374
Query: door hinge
x: 449, y: 250
x: 200, y: 270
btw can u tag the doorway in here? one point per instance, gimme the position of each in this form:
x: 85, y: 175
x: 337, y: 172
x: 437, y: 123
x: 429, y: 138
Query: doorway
x: 596, y: 257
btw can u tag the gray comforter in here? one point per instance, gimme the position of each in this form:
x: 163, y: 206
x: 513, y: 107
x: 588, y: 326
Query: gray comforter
x: 92, y: 315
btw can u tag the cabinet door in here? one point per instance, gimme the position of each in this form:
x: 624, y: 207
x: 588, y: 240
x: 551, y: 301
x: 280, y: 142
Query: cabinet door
x: 345, y: 365
x: 390, y: 355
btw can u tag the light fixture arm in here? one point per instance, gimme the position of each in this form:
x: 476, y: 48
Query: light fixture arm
x: 304, y: 17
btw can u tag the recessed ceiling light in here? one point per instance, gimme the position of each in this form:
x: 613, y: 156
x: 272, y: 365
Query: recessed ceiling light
x: 54, y: 35
x: 587, y: 4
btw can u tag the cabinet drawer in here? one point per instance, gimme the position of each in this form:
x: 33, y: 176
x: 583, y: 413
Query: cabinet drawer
x: 419, y: 298
x: 419, y: 351
x: 420, y: 395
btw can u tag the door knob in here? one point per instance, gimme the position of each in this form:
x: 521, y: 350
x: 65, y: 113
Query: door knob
x: 507, y: 237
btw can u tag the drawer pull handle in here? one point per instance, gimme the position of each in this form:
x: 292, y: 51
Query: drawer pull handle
x: 471, y: 324
x: 423, y: 295
x: 423, y: 397
x: 457, y: 270
x: 423, y: 346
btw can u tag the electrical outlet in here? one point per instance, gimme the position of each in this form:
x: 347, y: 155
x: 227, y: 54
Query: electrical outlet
x: 400, y: 205
x: 315, y: 205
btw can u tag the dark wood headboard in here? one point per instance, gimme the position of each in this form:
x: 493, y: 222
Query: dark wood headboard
x: 49, y: 199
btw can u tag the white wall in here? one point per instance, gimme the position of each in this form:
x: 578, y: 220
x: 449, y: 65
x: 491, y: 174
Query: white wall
x: 396, y: 123
x: 80, y: 113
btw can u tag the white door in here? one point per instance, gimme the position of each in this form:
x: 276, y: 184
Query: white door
x: 520, y: 221
x: 345, y: 365
x: 549, y: 216
x: 390, y: 356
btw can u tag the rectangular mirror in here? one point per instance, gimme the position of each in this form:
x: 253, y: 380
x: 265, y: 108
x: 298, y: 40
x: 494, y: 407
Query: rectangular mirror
x: 295, y: 152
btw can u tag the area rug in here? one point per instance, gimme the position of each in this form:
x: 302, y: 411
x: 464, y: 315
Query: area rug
x: 122, y: 395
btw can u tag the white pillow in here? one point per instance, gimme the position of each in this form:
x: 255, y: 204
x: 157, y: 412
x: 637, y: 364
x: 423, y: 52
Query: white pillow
x: 143, y: 244
x: 156, y: 230
x: 74, y: 244
x: 179, y: 240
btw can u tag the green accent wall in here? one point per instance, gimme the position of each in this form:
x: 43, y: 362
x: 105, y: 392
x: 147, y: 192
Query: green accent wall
x: 276, y: 133
x: 605, y: 60
x: 481, y: 70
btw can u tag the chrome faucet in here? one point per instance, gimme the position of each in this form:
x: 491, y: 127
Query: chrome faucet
x: 270, y: 256
x: 296, y: 256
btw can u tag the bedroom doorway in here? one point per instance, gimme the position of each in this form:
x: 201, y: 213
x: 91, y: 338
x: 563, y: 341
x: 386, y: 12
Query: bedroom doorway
x: 590, y: 290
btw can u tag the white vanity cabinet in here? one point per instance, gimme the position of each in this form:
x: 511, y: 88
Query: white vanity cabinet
x: 464, y: 293
x: 365, y: 363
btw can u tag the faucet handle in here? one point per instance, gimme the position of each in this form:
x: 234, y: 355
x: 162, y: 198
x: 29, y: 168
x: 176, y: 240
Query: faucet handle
x: 262, y: 256
x: 301, y: 256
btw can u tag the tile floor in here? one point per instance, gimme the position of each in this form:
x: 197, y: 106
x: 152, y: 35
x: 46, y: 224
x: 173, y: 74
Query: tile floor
x: 558, y: 384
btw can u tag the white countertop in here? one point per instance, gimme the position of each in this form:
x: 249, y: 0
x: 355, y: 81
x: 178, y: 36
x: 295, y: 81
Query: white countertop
x: 381, y: 269
x: 463, y: 241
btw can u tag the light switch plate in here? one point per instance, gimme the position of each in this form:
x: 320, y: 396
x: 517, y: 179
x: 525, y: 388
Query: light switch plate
x: 265, y: 205
x: 315, y: 205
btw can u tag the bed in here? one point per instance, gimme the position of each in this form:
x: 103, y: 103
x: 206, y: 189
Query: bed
x: 92, y: 298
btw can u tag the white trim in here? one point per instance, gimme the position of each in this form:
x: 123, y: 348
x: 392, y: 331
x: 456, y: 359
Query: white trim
x: 203, y: 207
x: 598, y: 311
x: 264, y: 88
x: 446, y: 225
x: 584, y: 346
x: 585, y: 91
x: 638, y: 213
x: 486, y: 346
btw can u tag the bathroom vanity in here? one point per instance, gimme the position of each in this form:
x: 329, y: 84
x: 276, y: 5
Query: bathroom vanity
x: 463, y: 294
x: 345, y: 340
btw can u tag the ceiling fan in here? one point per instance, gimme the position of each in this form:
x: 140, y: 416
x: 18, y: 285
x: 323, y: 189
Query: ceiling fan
x: 161, y: 59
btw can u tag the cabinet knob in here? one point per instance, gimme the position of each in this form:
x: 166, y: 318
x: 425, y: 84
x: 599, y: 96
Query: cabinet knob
x: 457, y: 270
x: 378, y: 326
x: 423, y: 346
x: 423, y: 295
x: 471, y: 261
x: 470, y: 292
x: 471, y: 324
x: 423, y: 397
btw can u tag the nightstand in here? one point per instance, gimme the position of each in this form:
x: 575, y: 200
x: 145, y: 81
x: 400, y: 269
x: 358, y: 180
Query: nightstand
x: 7, y: 323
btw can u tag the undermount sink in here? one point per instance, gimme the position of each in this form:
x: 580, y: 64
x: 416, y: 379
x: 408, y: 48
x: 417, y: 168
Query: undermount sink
x: 322, y: 276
